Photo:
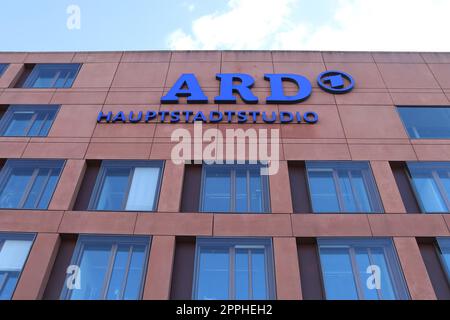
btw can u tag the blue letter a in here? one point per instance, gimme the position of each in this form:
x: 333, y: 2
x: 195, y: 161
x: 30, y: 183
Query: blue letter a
x: 186, y: 86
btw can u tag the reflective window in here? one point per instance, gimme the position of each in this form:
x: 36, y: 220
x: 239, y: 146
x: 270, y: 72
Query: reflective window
x: 234, y: 188
x: 127, y: 186
x: 109, y: 268
x: 343, y: 186
x: 52, y: 75
x: 426, y: 122
x: 361, y: 269
x: 444, y: 250
x: 3, y: 67
x: 28, y: 184
x: 27, y: 120
x: 14, y: 250
x: 431, y: 184
x: 234, y: 269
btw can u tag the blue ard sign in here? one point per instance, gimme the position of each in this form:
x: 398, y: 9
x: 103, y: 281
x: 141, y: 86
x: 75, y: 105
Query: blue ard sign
x: 232, y: 84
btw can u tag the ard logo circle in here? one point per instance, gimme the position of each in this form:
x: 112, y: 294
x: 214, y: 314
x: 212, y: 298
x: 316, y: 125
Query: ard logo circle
x: 334, y: 81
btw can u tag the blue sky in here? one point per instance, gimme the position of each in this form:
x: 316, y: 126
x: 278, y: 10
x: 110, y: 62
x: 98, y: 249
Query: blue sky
x: 41, y: 25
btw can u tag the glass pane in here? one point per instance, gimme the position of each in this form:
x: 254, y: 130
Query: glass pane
x: 337, y: 273
x: 217, y: 190
x: 136, y: 273
x: 361, y: 193
x: 113, y: 189
x: 62, y: 78
x: 241, y: 275
x: 39, y: 184
x: 241, y: 190
x: 93, y: 267
x: 15, y: 187
x: 349, y: 201
x: 362, y: 261
x: 379, y: 259
x: 426, y: 122
x: 3, y: 67
x: 444, y: 176
x: 213, y: 274
x: 444, y: 246
x: 323, y: 191
x: 427, y: 191
x: 117, y: 281
x: 42, y: 123
x: 256, y: 191
x: 49, y: 189
x: 143, y: 189
x: 8, y: 282
x: 259, y: 273
x: 45, y: 77
x: 19, y: 123
x: 13, y: 254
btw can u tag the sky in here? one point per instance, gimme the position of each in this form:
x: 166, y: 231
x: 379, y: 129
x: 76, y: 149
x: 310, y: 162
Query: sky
x: 100, y: 25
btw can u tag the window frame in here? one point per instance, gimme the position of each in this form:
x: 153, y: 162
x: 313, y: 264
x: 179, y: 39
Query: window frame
x: 390, y: 256
x: 232, y: 170
x: 370, y: 185
x: 4, y: 236
x: 115, y: 241
x: 5, y: 121
x: 232, y: 244
x: 434, y: 165
x: 36, y: 165
x: 132, y: 165
x: 34, y: 75
x: 3, y: 68
x: 417, y: 137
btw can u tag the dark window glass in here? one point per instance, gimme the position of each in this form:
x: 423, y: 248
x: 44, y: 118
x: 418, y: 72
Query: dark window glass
x: 342, y: 187
x: 109, y: 268
x: 14, y: 250
x: 127, y: 186
x: 234, y: 269
x: 28, y: 184
x: 426, y: 122
x: 3, y: 67
x: 27, y: 120
x: 361, y: 269
x: 52, y: 75
x: 234, y: 188
x: 431, y: 184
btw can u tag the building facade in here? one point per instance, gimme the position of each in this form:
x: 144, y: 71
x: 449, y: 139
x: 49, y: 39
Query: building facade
x: 93, y: 207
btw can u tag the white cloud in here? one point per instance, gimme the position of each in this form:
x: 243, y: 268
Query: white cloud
x: 404, y: 25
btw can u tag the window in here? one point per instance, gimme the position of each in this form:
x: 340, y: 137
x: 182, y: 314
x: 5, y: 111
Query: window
x: 240, y: 269
x: 109, y: 268
x: 431, y: 184
x: 350, y: 269
x: 14, y: 249
x: 3, y: 67
x: 28, y: 184
x: 127, y: 186
x: 426, y: 122
x: 52, y: 75
x: 234, y: 188
x: 444, y: 250
x: 27, y: 121
x: 342, y: 187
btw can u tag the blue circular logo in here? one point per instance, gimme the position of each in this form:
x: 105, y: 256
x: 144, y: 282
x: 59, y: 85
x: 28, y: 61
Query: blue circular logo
x: 334, y: 81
